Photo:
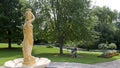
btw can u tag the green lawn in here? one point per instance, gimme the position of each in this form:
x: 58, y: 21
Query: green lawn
x: 52, y: 54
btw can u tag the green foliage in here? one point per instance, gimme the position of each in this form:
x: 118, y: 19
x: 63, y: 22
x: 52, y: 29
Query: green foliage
x: 10, y: 18
x: 71, y: 44
x: 103, y: 46
x: 49, y: 46
x: 106, y: 20
x: 108, y: 53
x: 112, y: 46
x: 107, y: 46
x: 61, y: 21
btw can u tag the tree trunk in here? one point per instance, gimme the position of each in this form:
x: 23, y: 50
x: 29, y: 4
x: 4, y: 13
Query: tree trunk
x: 87, y: 46
x: 58, y: 24
x: 61, y: 44
x: 61, y: 48
x: 9, y: 39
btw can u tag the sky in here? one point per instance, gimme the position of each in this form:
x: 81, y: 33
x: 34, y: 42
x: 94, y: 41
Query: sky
x: 112, y: 4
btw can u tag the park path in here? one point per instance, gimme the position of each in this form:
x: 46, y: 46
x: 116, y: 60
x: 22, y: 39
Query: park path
x: 112, y: 64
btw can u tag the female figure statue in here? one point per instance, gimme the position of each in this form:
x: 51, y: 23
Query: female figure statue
x: 28, y: 38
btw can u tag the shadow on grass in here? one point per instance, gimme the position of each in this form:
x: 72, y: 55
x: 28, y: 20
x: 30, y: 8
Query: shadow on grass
x: 10, y: 52
x: 51, y: 55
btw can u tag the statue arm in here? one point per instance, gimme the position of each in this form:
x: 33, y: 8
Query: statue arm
x: 33, y: 17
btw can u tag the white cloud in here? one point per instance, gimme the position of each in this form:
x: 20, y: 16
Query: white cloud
x: 113, y: 4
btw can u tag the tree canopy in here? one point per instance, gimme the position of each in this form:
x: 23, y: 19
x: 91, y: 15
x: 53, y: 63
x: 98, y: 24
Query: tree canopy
x: 10, y: 18
x: 61, y: 22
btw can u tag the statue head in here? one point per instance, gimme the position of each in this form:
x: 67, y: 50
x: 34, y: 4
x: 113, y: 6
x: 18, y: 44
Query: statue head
x: 28, y: 15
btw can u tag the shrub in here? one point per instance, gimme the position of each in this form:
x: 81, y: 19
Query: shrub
x: 49, y: 46
x: 108, y: 53
x: 103, y: 46
x: 112, y: 46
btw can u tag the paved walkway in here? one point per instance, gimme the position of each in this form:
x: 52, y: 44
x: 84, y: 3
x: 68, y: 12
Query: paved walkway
x: 71, y: 65
x: 113, y: 64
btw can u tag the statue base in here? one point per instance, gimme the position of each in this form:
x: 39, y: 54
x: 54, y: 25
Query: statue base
x: 17, y: 63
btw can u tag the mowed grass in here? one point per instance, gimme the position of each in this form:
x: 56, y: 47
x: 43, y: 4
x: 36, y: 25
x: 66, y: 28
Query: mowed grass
x: 53, y: 54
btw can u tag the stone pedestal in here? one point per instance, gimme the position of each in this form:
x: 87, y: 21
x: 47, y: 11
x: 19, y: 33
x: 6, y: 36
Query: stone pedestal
x: 17, y: 63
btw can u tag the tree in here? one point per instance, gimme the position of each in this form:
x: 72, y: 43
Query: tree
x: 117, y: 36
x: 10, y: 18
x: 65, y: 20
x: 105, y: 27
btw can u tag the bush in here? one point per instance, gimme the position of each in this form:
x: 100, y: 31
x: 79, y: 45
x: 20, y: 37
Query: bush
x: 112, y: 46
x: 103, y: 46
x: 108, y: 53
x: 49, y: 46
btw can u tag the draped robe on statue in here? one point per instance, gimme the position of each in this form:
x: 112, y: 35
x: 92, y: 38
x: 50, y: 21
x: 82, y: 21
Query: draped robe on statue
x: 28, y: 39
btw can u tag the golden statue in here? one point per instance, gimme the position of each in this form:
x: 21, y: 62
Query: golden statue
x: 28, y: 39
x: 28, y: 61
